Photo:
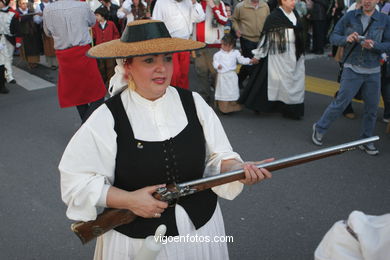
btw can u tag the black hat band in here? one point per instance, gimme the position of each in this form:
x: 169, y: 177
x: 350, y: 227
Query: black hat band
x: 146, y: 31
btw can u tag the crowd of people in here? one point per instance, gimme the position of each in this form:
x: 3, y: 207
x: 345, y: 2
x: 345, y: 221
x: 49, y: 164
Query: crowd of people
x: 306, y: 28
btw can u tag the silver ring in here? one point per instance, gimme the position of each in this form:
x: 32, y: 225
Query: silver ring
x: 157, y: 215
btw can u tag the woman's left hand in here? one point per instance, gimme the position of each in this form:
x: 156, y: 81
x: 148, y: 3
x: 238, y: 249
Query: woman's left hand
x: 253, y: 174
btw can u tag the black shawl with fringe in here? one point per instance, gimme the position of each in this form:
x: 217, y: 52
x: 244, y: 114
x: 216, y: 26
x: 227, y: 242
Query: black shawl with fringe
x: 274, y: 30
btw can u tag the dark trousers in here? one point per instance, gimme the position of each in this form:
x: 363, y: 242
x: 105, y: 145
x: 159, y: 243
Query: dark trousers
x: 3, y: 89
x: 319, y: 34
x: 2, y: 76
x: 385, y: 91
x: 86, y: 110
x: 246, y: 46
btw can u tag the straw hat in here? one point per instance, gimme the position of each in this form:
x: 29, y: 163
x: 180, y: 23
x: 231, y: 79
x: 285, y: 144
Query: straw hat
x: 143, y: 37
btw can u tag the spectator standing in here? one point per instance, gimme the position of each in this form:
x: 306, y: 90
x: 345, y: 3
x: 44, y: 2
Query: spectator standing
x: 385, y: 89
x: 278, y: 82
x: 318, y: 18
x: 132, y: 10
x: 179, y: 17
x: 79, y: 80
x: 248, y: 21
x: 112, y: 10
x: 229, y: 24
x: 225, y: 62
x: 209, y: 31
x: 135, y: 10
x: 48, y: 42
x: 385, y: 76
x: 361, y: 69
x: 303, y: 11
x: 335, y: 15
x: 31, y: 40
x: 9, y: 30
x: 104, y: 31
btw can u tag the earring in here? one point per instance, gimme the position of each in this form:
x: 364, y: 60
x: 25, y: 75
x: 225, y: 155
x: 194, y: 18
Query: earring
x: 131, y: 84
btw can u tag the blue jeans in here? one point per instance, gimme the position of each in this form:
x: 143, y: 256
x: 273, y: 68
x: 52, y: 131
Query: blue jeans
x: 351, y: 82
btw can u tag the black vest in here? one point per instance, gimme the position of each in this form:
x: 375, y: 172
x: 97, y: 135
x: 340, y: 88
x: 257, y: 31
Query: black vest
x: 178, y: 159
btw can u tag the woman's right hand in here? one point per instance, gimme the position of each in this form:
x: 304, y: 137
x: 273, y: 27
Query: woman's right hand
x: 142, y: 203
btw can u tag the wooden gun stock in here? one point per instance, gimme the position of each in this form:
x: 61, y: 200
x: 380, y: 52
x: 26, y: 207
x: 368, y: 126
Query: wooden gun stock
x: 112, y: 218
x: 109, y: 219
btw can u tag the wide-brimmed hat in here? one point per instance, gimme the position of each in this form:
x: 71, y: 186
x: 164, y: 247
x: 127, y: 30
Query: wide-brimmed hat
x: 143, y: 37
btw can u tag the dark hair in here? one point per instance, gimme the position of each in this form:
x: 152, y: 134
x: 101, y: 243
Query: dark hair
x: 103, y: 12
x: 228, y: 39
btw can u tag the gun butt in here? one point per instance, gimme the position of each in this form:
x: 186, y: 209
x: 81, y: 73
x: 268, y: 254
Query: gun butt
x: 109, y: 219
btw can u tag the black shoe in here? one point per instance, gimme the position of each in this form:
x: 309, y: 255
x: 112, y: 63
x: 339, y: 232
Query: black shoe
x: 4, y: 90
x: 12, y: 81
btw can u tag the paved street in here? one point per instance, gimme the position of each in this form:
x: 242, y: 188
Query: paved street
x: 280, y: 219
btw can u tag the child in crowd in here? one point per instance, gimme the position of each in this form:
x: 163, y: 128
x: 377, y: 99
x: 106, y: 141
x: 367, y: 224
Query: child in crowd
x: 104, y: 31
x: 225, y: 62
x: 229, y: 24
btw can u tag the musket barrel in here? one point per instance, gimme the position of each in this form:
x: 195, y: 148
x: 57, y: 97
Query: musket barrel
x: 315, y: 154
x: 112, y: 218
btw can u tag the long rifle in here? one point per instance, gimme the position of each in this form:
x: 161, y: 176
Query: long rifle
x: 112, y: 218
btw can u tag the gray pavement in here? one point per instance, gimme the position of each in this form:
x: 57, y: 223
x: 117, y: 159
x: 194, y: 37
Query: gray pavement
x: 281, y: 219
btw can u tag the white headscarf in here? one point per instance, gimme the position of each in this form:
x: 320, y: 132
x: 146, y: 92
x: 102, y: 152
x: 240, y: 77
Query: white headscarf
x: 118, y: 82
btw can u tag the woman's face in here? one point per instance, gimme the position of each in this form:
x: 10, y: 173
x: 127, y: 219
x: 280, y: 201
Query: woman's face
x: 288, y: 5
x: 152, y: 74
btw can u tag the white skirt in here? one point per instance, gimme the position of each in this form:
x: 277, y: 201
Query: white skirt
x: 226, y: 88
x: 116, y: 246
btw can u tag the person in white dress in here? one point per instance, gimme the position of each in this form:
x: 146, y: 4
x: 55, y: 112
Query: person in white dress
x: 225, y: 62
x: 148, y: 135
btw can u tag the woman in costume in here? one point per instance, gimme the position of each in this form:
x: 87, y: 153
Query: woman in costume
x: 147, y: 135
x: 277, y: 83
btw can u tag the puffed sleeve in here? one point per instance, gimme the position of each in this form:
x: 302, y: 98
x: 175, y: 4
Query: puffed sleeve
x: 218, y: 148
x: 241, y: 59
x: 216, y: 60
x: 262, y: 49
x: 87, y: 166
x: 197, y: 13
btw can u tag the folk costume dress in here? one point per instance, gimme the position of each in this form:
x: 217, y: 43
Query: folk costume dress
x: 277, y: 83
x: 174, y: 138
x: 9, y: 27
x: 29, y: 31
x: 226, y: 89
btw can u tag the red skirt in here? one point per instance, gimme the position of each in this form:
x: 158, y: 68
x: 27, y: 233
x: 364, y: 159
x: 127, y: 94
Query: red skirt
x: 79, y: 79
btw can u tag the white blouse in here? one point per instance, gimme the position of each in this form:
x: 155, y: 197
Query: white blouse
x: 88, y: 163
